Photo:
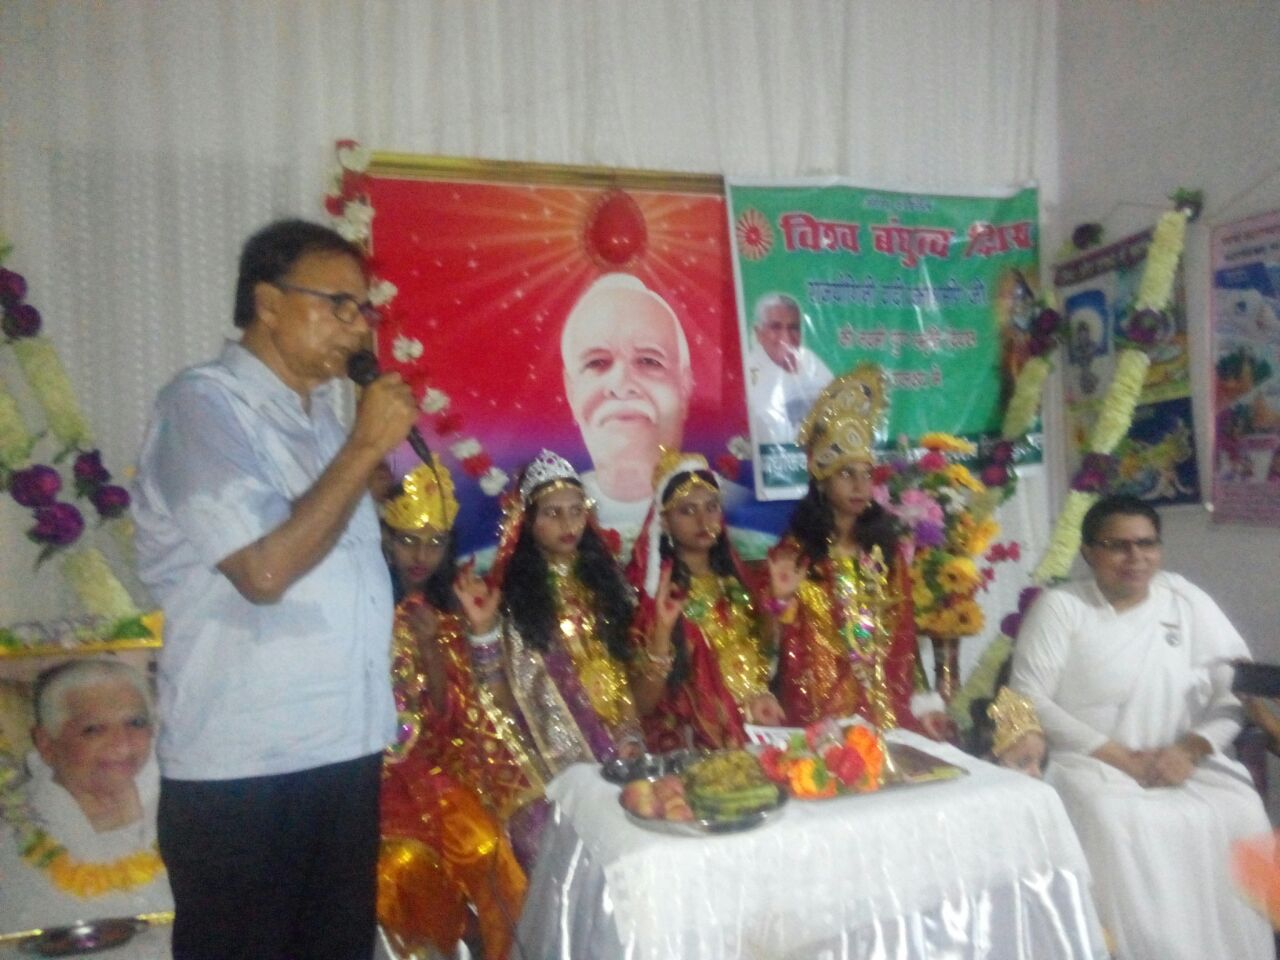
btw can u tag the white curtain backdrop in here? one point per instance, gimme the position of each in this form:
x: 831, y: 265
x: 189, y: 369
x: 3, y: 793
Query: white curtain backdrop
x: 145, y: 139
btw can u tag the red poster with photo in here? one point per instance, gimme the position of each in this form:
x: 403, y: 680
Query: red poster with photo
x: 594, y: 319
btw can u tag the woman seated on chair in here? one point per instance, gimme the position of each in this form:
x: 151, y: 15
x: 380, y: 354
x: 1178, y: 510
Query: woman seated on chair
x: 552, y: 618
x: 1130, y: 674
x: 839, y: 580
x: 702, y: 664
x: 82, y: 839
x: 456, y: 772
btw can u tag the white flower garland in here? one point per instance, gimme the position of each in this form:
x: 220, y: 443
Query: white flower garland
x: 1116, y: 416
x: 352, y: 216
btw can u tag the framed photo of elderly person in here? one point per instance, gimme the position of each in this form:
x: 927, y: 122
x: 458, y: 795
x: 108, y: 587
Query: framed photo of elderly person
x: 584, y: 310
x: 78, y: 794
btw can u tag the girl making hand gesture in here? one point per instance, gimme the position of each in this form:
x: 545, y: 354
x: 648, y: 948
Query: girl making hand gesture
x: 703, y: 664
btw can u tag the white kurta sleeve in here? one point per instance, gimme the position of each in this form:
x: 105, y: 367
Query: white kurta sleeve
x: 1044, y: 640
x: 1217, y: 643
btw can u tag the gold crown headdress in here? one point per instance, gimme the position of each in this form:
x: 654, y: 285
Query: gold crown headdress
x: 1014, y: 717
x: 645, y: 556
x: 842, y: 425
x: 546, y: 473
x: 426, y: 497
x: 673, y: 462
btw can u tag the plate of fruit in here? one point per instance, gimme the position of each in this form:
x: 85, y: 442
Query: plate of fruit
x: 724, y: 792
x: 829, y: 759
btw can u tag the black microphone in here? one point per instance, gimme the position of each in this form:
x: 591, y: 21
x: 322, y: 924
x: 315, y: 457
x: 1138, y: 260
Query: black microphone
x: 362, y: 368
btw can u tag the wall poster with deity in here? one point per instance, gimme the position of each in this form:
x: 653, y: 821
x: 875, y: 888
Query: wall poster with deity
x: 1157, y: 460
x: 937, y: 289
x: 589, y: 311
x: 1245, y: 351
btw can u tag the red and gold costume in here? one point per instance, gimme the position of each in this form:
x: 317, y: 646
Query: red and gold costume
x: 454, y: 775
x: 847, y: 639
x: 726, y: 662
x: 727, y: 667
x: 843, y: 652
x: 574, y: 697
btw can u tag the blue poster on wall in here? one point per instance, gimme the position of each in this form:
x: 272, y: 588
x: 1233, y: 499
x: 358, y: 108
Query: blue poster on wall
x: 1157, y: 460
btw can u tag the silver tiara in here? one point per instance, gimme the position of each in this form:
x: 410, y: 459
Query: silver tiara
x: 544, y: 468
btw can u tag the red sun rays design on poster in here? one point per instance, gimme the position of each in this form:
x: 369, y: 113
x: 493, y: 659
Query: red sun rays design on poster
x: 755, y: 236
x: 487, y: 273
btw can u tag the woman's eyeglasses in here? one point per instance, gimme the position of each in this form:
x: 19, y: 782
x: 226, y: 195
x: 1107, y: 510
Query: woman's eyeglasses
x: 1118, y: 545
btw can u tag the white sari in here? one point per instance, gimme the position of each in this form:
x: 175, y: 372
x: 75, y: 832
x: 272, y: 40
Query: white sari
x: 28, y: 898
x: 1143, y: 678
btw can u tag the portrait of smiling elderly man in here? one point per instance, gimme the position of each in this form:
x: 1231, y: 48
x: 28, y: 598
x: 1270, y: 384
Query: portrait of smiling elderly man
x: 628, y: 380
x: 784, y: 377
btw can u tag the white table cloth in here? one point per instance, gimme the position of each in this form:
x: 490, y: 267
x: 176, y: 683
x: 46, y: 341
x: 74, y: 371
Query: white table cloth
x: 985, y: 867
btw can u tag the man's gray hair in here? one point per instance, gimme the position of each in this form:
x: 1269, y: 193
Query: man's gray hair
x: 49, y: 698
x: 625, y: 281
x: 771, y: 300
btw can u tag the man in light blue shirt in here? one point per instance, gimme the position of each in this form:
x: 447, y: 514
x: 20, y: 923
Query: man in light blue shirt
x: 258, y: 537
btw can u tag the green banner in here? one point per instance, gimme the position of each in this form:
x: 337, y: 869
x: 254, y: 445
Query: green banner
x: 936, y: 289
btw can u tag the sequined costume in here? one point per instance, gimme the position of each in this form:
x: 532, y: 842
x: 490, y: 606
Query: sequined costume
x: 840, y: 655
x: 726, y: 666
x: 449, y: 783
x: 575, y: 699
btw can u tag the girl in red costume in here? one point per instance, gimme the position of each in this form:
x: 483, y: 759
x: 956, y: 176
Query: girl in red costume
x: 702, y: 666
x: 839, y: 580
x: 457, y: 769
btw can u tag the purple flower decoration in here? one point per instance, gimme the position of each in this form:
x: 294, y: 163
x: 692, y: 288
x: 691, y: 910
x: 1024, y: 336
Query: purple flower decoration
x: 1144, y: 327
x: 1010, y: 624
x: 89, y: 471
x: 35, y: 486
x: 1094, y: 473
x: 929, y: 534
x: 57, y: 525
x: 994, y: 475
x: 1027, y: 597
x: 1086, y: 235
x: 1038, y: 346
x: 21, y: 320
x: 110, y: 500
x: 1002, y: 452
x: 1047, y: 323
x: 13, y: 287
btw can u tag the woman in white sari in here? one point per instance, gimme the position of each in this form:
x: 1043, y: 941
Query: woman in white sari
x: 1131, y: 676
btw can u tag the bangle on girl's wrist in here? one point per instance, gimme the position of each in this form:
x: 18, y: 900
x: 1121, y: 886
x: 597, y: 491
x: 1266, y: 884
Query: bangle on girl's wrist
x: 487, y: 639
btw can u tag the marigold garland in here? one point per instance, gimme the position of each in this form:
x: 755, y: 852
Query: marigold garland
x: 16, y: 443
x: 1021, y: 411
x: 1162, y: 261
x: 44, y: 371
x: 85, y: 879
x: 80, y: 878
x: 59, y: 524
x: 1116, y: 415
x: 97, y: 587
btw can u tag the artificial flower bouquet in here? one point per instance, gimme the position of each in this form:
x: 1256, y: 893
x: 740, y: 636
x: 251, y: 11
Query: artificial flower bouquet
x: 826, y: 760
x: 933, y: 497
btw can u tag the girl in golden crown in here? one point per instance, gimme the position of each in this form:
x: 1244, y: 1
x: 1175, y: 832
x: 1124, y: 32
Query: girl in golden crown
x: 458, y: 768
x: 702, y: 666
x: 839, y: 583
x: 554, y: 612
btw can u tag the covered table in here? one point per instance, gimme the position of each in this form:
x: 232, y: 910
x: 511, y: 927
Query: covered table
x: 984, y: 867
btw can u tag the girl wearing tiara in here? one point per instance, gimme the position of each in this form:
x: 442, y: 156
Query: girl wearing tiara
x: 839, y: 580
x: 549, y: 625
x: 702, y: 666
x: 458, y: 768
